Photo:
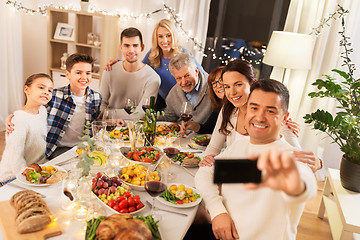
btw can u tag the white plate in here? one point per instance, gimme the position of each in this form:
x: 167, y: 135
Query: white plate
x: 125, y: 150
x: 112, y: 210
x: 23, y: 180
x: 185, y: 205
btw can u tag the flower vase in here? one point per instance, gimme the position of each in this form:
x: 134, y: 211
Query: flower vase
x: 149, y: 139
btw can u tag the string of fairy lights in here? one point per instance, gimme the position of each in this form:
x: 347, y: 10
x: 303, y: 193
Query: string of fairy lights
x: 243, y: 52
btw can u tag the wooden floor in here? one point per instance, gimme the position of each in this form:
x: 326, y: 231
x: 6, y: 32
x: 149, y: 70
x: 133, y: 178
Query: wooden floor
x: 310, y: 228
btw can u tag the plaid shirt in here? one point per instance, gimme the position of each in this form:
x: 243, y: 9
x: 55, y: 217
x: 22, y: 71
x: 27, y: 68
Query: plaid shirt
x: 60, y: 111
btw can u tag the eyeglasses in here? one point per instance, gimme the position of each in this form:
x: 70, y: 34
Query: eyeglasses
x: 217, y: 83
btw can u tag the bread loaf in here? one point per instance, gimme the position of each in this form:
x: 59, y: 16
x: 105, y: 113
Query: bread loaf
x: 190, y: 161
x: 32, y: 213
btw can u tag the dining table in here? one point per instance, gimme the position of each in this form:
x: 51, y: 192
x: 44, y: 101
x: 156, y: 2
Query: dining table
x: 172, y: 226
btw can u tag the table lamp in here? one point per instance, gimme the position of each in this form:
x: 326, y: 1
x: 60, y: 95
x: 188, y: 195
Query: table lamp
x: 289, y: 50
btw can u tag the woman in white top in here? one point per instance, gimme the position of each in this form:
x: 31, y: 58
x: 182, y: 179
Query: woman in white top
x: 237, y: 77
x: 27, y: 143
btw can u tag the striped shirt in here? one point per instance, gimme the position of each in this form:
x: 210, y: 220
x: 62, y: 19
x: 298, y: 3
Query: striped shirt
x: 60, y: 111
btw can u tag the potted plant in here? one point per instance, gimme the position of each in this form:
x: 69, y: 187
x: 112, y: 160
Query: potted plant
x: 344, y: 126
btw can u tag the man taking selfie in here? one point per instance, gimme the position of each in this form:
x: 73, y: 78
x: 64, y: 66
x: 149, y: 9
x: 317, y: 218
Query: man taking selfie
x: 271, y: 209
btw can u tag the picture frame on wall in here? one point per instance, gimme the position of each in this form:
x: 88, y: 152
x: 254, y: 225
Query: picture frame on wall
x: 65, y: 31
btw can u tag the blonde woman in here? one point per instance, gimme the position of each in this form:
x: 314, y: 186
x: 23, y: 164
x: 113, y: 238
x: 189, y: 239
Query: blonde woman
x: 164, y: 46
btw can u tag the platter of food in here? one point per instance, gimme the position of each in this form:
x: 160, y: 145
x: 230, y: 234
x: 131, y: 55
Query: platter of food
x: 187, y: 159
x: 141, y: 155
x: 117, y: 226
x: 41, y: 175
x: 167, y: 129
x: 201, y: 141
x: 179, y: 195
x: 114, y: 197
x: 120, y: 133
x: 134, y: 176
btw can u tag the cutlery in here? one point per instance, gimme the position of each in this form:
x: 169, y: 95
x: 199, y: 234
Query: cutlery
x: 65, y: 162
x: 193, y: 147
x: 165, y: 210
x: 23, y: 188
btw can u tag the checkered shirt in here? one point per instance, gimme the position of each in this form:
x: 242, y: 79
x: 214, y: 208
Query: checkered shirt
x: 60, y: 111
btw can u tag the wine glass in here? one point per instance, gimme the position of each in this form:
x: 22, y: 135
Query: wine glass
x: 186, y: 111
x: 155, y: 184
x: 109, y: 118
x: 146, y: 104
x: 130, y: 105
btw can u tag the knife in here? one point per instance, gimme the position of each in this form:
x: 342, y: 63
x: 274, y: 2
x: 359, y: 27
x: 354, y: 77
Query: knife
x: 23, y: 188
x: 165, y: 210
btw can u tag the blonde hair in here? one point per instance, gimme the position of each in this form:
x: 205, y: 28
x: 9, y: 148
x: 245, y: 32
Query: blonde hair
x: 156, y: 53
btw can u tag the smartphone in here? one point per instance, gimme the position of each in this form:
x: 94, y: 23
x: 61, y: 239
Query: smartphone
x: 236, y: 171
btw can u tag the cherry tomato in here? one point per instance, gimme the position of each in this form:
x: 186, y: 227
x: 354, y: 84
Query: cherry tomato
x: 136, y: 157
x: 129, y: 155
x: 147, y: 160
x: 136, y: 199
x: 190, y: 155
x: 123, y: 204
x: 150, y: 149
x: 111, y: 203
x: 124, y: 210
x: 116, y: 208
x: 127, y: 194
x: 131, y: 201
x: 157, y: 156
x: 132, y: 209
x: 139, y: 206
x: 179, y: 201
x: 139, y: 153
x: 119, y: 199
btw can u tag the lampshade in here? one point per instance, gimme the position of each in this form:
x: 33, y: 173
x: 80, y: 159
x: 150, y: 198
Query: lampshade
x: 289, y: 50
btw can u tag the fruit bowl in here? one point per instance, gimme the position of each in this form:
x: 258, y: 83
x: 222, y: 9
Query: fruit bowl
x: 113, y: 196
x: 112, y: 211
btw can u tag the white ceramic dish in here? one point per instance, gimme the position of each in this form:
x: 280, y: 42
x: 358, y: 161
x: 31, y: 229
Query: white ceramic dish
x: 185, y: 205
x: 134, y: 187
x: 112, y: 211
x: 125, y: 150
x: 23, y: 180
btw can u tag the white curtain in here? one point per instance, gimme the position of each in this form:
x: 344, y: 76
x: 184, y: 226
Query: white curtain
x: 304, y: 15
x: 11, y: 62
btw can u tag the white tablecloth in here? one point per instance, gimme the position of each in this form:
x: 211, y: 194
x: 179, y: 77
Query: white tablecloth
x: 172, y: 226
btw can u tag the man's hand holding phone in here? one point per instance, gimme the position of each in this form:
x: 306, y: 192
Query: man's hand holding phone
x: 279, y: 173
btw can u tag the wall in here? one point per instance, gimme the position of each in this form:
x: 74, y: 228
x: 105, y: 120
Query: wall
x: 34, y: 26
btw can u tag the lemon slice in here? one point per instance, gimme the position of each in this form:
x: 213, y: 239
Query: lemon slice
x: 98, y: 157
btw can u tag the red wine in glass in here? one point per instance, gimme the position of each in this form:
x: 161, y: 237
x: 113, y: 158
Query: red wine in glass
x: 155, y: 188
x: 144, y: 107
x: 128, y: 109
x: 110, y: 126
x: 186, y: 117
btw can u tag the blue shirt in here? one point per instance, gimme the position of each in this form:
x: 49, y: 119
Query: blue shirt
x: 60, y: 110
x: 193, y: 95
x: 167, y: 80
